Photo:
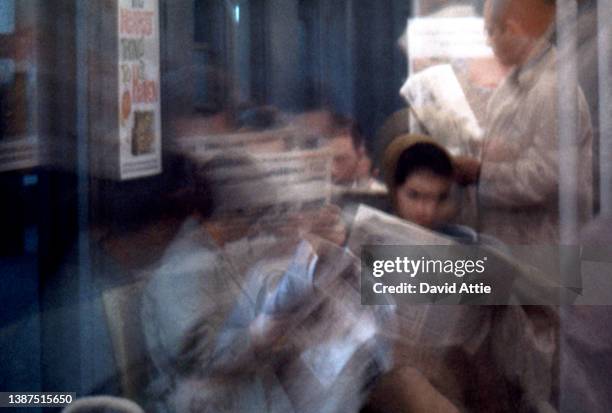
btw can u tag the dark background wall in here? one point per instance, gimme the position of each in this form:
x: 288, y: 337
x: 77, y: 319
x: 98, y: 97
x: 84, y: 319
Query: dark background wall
x: 302, y: 54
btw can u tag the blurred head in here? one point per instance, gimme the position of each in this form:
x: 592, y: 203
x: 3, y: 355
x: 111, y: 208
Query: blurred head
x: 348, y: 152
x: 345, y: 159
x: 255, y: 118
x: 419, y: 175
x: 503, y: 34
x: 514, y: 26
x: 228, y: 193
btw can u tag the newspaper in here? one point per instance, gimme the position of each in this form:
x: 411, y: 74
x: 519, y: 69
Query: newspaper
x: 273, y: 171
x: 268, y: 183
x: 267, y: 141
x: 446, y: 38
x: 440, y: 109
x: 420, y: 326
x: 465, y: 77
x: 520, y: 277
x: 303, y: 177
x: 374, y: 227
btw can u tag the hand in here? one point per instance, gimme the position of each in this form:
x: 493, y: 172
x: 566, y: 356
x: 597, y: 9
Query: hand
x: 324, y: 223
x: 467, y: 170
x: 328, y: 224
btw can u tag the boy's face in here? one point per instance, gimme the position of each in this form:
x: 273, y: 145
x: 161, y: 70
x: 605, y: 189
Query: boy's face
x: 424, y: 198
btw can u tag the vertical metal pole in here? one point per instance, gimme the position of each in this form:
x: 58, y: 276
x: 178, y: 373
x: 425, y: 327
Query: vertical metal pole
x: 604, y: 47
x: 567, y: 86
x: 84, y: 263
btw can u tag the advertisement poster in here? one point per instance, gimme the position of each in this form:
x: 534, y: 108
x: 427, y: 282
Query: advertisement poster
x: 139, y: 89
x: 444, y: 39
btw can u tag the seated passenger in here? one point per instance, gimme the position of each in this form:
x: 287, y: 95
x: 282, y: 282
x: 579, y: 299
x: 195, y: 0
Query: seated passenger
x: 350, y: 162
x: 297, y: 340
x: 494, y: 358
x: 419, y: 176
x: 193, y: 276
x: 226, y: 292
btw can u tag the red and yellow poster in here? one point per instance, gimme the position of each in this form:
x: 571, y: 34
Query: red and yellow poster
x: 139, y: 88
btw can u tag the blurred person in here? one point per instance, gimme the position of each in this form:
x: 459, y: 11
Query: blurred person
x: 352, y: 171
x: 204, y: 270
x: 419, y: 174
x: 317, y: 122
x: 518, y: 176
x: 351, y: 164
x: 198, y: 124
x: 420, y: 177
x: 518, y: 173
x: 448, y: 134
x: 191, y: 276
x: 477, y: 356
x: 297, y: 340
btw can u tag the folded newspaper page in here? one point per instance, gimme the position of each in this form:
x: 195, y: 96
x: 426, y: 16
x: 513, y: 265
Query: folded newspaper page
x: 419, y: 326
x: 374, y: 227
x: 465, y: 77
x: 440, y: 109
x: 268, y: 184
x: 302, y: 176
x: 266, y: 141
x: 285, y: 170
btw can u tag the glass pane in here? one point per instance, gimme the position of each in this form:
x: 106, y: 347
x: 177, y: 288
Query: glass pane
x: 195, y: 193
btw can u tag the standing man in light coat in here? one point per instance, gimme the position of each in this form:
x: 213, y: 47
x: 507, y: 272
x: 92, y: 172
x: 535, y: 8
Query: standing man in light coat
x: 518, y: 174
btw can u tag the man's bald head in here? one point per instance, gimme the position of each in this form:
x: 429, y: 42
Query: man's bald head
x: 496, y: 11
x: 534, y: 17
x: 514, y: 27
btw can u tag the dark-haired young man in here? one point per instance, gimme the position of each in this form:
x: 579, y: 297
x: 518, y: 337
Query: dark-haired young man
x: 419, y: 174
x: 421, y: 184
x: 500, y: 358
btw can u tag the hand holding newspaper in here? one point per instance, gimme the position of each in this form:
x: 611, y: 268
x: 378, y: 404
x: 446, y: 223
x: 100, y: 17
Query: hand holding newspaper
x: 439, y: 108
